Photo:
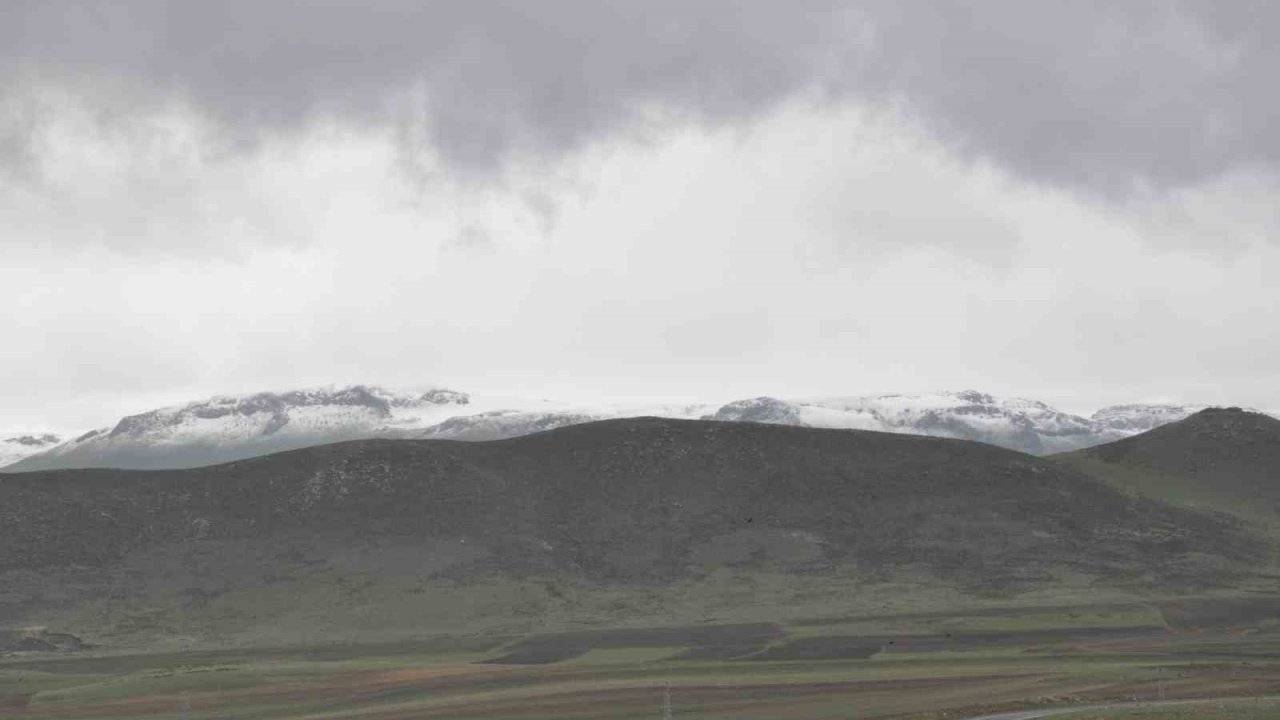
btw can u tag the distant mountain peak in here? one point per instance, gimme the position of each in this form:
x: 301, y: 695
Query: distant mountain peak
x: 761, y: 409
x: 1229, y: 418
x: 1139, y: 417
x: 1229, y: 412
x: 975, y: 397
x: 273, y: 410
x: 441, y: 396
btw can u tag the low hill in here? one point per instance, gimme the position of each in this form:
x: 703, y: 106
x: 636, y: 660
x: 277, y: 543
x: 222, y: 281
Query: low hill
x: 674, y: 516
x: 1226, y: 459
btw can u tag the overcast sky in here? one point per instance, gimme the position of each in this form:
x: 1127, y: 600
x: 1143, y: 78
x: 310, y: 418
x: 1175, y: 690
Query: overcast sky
x: 1072, y: 201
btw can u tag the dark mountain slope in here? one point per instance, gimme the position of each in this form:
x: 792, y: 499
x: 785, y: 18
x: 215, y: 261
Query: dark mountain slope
x: 626, y: 503
x: 1224, y: 458
x: 626, y: 499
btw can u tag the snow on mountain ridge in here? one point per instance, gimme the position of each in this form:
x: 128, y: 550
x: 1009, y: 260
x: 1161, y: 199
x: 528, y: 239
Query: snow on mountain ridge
x: 267, y: 413
x: 761, y: 409
x: 1018, y: 423
x: 1140, y: 418
x: 230, y: 427
x: 497, y: 424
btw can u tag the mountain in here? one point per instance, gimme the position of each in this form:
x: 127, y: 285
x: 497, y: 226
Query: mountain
x: 1026, y: 425
x: 16, y: 446
x: 232, y: 427
x: 1131, y: 419
x: 226, y: 428
x: 619, y: 519
x: 499, y: 424
x: 1224, y: 458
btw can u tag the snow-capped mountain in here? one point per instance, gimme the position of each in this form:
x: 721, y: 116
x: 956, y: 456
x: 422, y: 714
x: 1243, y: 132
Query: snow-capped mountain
x: 16, y: 446
x: 1133, y: 419
x: 497, y: 424
x: 226, y: 428
x: 232, y: 427
x: 1026, y: 425
x: 1030, y: 426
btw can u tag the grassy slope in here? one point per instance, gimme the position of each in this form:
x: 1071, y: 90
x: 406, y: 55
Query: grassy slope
x: 1221, y: 460
x: 443, y: 680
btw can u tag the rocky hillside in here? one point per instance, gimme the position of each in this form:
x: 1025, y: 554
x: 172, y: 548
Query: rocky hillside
x: 640, y: 503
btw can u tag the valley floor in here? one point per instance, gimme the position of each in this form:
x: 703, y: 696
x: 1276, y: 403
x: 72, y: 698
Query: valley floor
x: 922, y: 666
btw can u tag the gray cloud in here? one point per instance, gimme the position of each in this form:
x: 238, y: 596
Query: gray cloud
x: 1101, y: 96
x: 1107, y: 96
x: 495, y: 77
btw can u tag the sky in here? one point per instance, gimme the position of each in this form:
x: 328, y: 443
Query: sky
x: 1075, y: 202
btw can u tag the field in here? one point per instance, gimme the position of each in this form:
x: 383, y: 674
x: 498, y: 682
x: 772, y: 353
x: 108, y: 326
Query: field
x: 1235, y: 709
x: 928, y: 665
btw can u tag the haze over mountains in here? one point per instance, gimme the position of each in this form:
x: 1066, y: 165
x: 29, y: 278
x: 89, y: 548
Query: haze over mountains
x: 226, y: 428
x: 606, y: 521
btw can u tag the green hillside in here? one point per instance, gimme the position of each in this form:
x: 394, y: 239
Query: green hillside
x: 1222, y: 460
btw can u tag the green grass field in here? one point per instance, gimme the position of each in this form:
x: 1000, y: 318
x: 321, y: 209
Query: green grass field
x: 921, y: 666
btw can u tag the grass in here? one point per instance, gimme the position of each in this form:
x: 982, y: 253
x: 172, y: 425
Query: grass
x: 443, y: 678
x: 1247, y: 709
x: 1172, y: 489
x: 623, y: 656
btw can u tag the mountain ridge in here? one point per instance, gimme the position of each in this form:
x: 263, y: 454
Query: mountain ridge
x: 231, y: 427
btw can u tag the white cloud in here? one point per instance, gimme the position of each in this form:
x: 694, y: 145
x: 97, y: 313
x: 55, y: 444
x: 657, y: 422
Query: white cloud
x: 823, y: 249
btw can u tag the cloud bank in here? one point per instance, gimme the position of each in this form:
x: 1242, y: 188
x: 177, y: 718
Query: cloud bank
x: 1106, y: 97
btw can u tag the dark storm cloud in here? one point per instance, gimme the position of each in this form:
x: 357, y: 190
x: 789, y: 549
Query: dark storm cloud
x: 497, y: 76
x: 1097, y: 94
x: 1102, y: 96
